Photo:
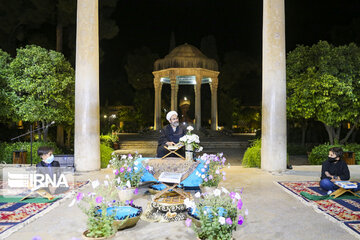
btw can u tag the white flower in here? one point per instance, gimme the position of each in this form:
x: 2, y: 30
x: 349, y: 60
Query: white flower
x: 128, y: 184
x: 246, y: 212
x: 237, y: 196
x: 118, y: 180
x: 107, y: 176
x: 189, y: 204
x: 198, y: 174
x: 222, y: 220
x: 197, y: 195
x: 217, y: 192
x: 95, y: 184
x: 225, y: 190
x: 106, y: 183
x: 108, y: 166
x: 72, y: 202
x: 203, y: 176
x: 205, y: 212
x: 190, y: 128
x: 114, y: 171
x: 135, y: 168
x: 123, y: 157
x: 200, y: 149
x: 130, y: 157
x: 140, y: 156
x: 224, y: 173
x: 136, y: 163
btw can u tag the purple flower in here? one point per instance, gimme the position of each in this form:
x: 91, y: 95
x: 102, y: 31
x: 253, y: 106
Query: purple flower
x: 217, y: 159
x: 79, y: 196
x: 224, y: 178
x: 217, y: 171
x: 211, y: 177
x: 129, y: 169
x: 232, y: 195
x: 98, y: 199
x: 116, y: 172
x: 240, y: 220
x: 147, y: 168
x: 239, y: 204
x: 223, y: 160
x: 136, y: 191
x: 228, y: 221
x: 129, y: 155
x: 131, y: 202
x: 188, y: 222
x: 36, y: 238
x: 205, y: 179
x: 122, y: 169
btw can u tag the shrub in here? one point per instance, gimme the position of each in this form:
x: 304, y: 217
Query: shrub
x: 320, y: 153
x: 353, y: 147
x: 7, y: 149
x: 105, y: 155
x: 252, y: 156
x: 106, y: 139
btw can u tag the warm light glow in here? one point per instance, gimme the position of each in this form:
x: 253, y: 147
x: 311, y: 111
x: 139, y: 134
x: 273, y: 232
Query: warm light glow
x: 348, y: 125
x: 105, y: 116
x: 185, y: 98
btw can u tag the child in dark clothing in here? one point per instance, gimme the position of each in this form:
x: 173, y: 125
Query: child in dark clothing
x: 334, y: 169
x: 48, y: 166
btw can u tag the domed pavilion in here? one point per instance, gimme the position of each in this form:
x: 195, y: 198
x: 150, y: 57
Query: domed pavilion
x: 186, y: 65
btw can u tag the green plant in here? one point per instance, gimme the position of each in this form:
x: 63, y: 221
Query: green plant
x: 252, y: 156
x: 218, y: 214
x: 128, y: 171
x: 354, y: 147
x: 213, y: 163
x: 7, y: 149
x: 105, y: 155
x: 107, y: 140
x: 320, y: 153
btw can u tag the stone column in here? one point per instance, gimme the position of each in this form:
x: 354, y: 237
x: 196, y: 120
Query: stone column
x: 173, y: 90
x: 176, y: 97
x: 87, y: 108
x: 273, y: 129
x: 157, y: 106
x: 197, y: 89
x: 214, y: 106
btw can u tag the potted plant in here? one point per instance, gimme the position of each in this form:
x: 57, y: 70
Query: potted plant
x: 211, y: 173
x: 215, y: 214
x: 191, y: 142
x: 128, y: 172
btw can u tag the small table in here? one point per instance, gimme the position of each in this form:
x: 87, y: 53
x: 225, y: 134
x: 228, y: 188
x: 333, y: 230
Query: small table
x: 172, y: 149
x: 342, y: 190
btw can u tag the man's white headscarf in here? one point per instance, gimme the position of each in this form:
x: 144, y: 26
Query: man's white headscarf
x: 170, y: 114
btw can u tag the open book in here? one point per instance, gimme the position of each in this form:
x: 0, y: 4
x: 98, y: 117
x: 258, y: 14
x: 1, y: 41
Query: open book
x: 170, y: 177
x: 176, y: 146
x: 346, y: 184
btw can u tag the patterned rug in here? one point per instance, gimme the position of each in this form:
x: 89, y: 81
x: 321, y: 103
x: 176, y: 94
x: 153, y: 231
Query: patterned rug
x: 15, y: 215
x: 346, y: 212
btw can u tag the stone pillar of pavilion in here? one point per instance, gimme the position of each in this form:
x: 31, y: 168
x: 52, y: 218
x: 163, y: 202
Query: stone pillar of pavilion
x: 87, y: 107
x: 273, y: 130
x: 214, y: 107
x: 197, y: 89
x: 176, y: 97
x: 157, y: 104
x: 173, y: 89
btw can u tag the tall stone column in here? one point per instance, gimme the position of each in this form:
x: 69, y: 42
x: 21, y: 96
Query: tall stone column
x: 157, y: 105
x: 197, y: 89
x: 173, y: 90
x: 214, y: 105
x: 87, y: 107
x: 176, y: 97
x: 273, y: 130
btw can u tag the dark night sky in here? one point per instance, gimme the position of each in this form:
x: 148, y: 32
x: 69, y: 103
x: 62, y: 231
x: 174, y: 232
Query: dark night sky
x: 236, y: 25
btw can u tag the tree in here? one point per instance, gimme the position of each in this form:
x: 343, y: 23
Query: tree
x: 5, y: 60
x: 323, y: 84
x: 41, y: 87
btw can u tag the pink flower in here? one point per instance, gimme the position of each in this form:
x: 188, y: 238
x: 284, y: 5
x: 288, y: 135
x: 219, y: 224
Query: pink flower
x: 122, y: 169
x: 228, y: 221
x: 211, y: 177
x: 136, y: 191
x: 205, y: 179
x: 232, y: 195
x: 36, y: 238
x: 79, y: 196
x: 239, y: 204
x: 203, y: 169
x: 98, y: 199
x: 240, y: 220
x: 129, y: 169
x: 188, y: 222
x: 116, y: 172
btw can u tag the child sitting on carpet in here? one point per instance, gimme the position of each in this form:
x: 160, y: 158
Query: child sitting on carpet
x: 333, y: 169
x: 48, y: 166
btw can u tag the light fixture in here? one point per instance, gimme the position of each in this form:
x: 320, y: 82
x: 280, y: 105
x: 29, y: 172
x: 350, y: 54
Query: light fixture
x: 105, y: 116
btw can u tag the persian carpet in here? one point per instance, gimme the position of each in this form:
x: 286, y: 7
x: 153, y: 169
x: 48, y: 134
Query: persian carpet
x: 15, y: 215
x: 344, y: 210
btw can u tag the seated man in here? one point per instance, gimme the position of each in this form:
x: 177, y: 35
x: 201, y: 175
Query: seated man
x: 170, y: 135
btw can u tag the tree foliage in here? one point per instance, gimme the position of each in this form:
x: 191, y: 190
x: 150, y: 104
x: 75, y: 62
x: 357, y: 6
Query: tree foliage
x: 41, y: 86
x: 4, y: 71
x: 323, y: 84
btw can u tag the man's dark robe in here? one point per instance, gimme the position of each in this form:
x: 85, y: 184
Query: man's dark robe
x: 167, y: 134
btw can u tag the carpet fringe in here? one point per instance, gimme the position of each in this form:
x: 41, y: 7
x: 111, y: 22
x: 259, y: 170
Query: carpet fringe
x: 7, y: 233
x: 315, y: 207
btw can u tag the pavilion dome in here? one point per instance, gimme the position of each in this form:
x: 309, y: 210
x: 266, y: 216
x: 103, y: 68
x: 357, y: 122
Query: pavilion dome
x: 185, y: 56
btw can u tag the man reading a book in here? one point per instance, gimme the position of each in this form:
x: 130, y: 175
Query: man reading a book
x: 334, y: 169
x: 170, y: 135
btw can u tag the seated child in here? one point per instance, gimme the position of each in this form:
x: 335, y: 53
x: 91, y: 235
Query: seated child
x: 334, y: 169
x: 48, y: 166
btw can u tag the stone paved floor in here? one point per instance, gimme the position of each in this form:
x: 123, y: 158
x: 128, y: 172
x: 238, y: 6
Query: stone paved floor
x: 273, y: 213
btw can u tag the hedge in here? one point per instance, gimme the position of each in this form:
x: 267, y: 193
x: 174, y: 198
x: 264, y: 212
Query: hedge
x: 320, y: 153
